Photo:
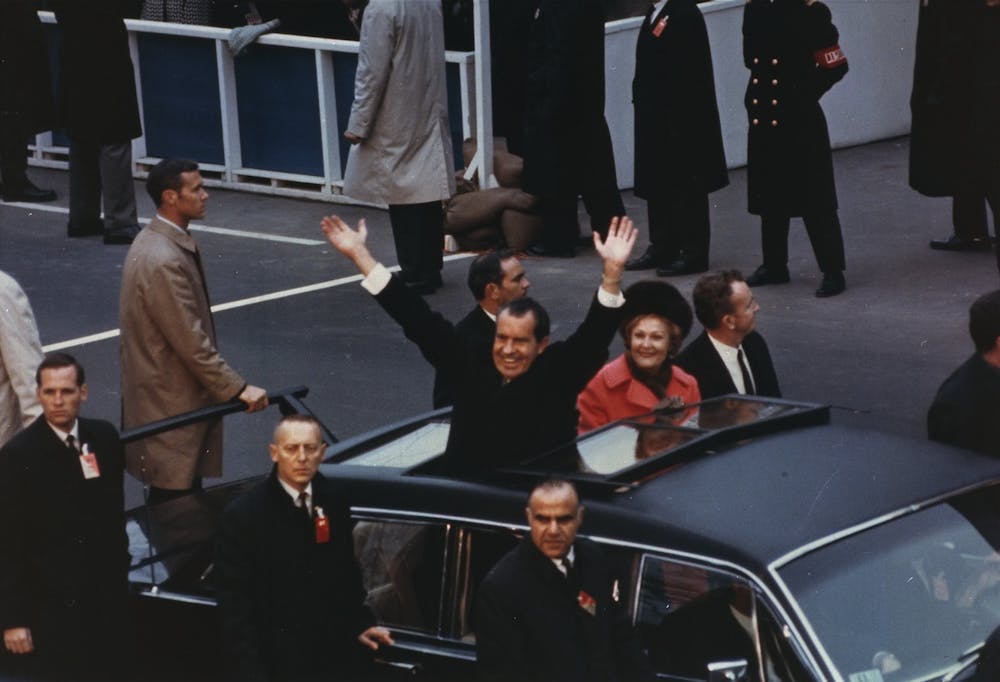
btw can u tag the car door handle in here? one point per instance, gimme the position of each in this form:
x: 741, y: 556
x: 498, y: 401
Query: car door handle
x: 411, y: 668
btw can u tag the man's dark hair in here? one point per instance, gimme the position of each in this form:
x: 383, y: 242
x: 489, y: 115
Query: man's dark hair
x: 553, y: 484
x: 487, y: 268
x: 58, y: 361
x: 712, y: 296
x: 527, y: 305
x: 167, y: 175
x: 984, y: 321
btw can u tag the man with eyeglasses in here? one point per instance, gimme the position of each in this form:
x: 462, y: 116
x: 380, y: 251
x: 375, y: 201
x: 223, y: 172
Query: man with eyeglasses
x: 289, y: 585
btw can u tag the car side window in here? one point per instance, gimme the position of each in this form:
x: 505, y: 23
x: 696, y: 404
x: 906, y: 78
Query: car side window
x: 485, y: 548
x: 402, y: 564
x: 688, y: 616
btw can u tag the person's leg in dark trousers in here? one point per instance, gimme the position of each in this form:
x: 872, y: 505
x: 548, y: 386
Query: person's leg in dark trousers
x: 691, y: 236
x: 118, y: 190
x: 968, y: 215
x: 828, y: 245
x: 664, y: 244
x: 14, y: 137
x: 602, y: 200
x: 84, y: 189
x: 560, y: 227
x: 418, y: 231
x: 774, y: 242
x: 993, y: 199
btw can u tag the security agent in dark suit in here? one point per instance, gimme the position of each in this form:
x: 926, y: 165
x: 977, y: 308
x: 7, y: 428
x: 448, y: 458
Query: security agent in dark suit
x: 549, y: 609
x: 495, y: 278
x: 729, y: 356
x: 289, y: 585
x: 526, y: 403
x: 966, y: 409
x: 64, y: 564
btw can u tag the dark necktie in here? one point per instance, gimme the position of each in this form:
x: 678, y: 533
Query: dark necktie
x: 568, y: 565
x: 303, y: 503
x: 71, y: 444
x: 745, y: 371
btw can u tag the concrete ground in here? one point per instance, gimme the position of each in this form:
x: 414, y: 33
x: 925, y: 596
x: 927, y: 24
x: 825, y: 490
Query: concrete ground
x: 881, y: 349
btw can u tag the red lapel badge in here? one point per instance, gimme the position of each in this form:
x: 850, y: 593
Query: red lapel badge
x: 660, y: 25
x: 587, y: 603
x: 322, y: 527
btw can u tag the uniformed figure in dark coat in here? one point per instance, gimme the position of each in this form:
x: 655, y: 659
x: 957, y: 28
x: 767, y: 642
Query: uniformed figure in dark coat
x: 679, y: 158
x: 64, y: 559
x: 289, y: 586
x: 25, y: 96
x: 98, y: 107
x: 955, y: 139
x: 549, y: 610
x: 568, y: 150
x: 790, y: 47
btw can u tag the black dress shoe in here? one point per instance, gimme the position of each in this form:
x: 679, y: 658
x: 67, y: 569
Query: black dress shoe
x: 765, y: 275
x: 27, y: 192
x: 683, y: 265
x: 646, y: 261
x: 124, y: 234
x: 956, y: 243
x: 551, y: 252
x: 833, y: 284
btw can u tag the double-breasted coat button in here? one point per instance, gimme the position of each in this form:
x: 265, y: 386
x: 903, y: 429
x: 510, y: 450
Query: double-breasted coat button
x: 774, y: 124
x: 774, y: 82
x: 755, y: 81
x: 755, y: 121
x: 756, y: 61
x: 774, y: 102
x: 774, y: 62
x: 753, y: 102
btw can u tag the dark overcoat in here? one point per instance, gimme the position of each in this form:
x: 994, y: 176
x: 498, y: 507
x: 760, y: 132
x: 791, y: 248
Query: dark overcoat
x: 700, y: 359
x: 566, y: 135
x: 790, y: 47
x: 292, y: 607
x: 97, y: 95
x: 64, y: 564
x: 477, y: 330
x: 678, y: 137
x: 25, y: 83
x: 966, y: 408
x: 495, y: 424
x: 530, y: 625
x: 955, y: 102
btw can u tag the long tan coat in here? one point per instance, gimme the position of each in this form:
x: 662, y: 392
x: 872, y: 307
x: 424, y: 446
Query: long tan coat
x: 400, y: 107
x: 169, y: 361
x: 20, y: 355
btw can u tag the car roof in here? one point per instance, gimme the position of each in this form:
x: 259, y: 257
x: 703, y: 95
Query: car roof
x: 751, y: 500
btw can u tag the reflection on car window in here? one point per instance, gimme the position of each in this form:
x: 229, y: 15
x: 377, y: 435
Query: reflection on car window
x: 905, y: 600
x: 409, y: 450
x: 485, y: 548
x: 689, y: 616
x: 401, y: 568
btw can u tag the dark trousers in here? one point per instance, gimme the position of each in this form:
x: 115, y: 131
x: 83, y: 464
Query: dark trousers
x: 13, y: 152
x: 824, y: 235
x: 968, y: 215
x: 418, y: 230
x: 99, y: 171
x: 678, y: 223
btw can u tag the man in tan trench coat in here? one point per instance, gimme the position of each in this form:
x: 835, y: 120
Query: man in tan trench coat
x: 169, y: 361
x: 402, y: 153
x: 20, y: 354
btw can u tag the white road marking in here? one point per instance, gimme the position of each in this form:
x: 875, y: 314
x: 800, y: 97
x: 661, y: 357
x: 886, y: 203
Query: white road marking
x: 194, y: 228
x: 241, y: 303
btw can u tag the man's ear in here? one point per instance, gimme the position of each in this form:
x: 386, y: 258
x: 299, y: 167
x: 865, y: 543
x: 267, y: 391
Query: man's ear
x: 83, y: 393
x: 729, y: 321
x: 273, y: 450
x: 491, y: 292
x: 543, y: 344
x: 527, y: 514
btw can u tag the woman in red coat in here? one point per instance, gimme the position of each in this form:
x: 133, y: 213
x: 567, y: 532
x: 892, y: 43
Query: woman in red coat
x: 654, y: 324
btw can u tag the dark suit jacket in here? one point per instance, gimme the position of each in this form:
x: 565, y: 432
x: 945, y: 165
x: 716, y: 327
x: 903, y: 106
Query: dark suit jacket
x: 702, y: 360
x: 477, y: 330
x: 292, y: 608
x: 494, y: 424
x: 64, y: 562
x: 966, y: 409
x: 530, y: 626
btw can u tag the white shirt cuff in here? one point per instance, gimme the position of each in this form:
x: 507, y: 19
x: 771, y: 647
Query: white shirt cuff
x: 376, y: 280
x: 609, y: 300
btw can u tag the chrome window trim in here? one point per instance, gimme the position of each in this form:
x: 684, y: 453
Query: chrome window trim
x: 167, y: 595
x: 798, y: 642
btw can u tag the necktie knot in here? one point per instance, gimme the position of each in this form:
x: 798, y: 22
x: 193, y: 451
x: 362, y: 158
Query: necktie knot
x: 302, y: 502
x: 71, y: 443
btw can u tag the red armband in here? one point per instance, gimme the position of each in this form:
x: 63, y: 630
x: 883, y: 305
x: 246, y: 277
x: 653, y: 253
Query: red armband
x: 830, y: 57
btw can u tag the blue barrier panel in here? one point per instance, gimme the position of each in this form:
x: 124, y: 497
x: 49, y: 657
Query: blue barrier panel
x: 51, y: 31
x: 453, y: 78
x: 345, y: 65
x: 278, y: 102
x: 180, y: 98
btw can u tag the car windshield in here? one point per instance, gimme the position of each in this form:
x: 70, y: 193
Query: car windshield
x: 908, y: 599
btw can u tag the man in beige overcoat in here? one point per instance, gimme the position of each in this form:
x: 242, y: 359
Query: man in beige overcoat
x: 20, y: 355
x: 169, y: 361
x: 402, y: 153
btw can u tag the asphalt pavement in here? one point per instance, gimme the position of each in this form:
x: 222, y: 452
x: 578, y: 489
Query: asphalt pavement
x: 293, y: 312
